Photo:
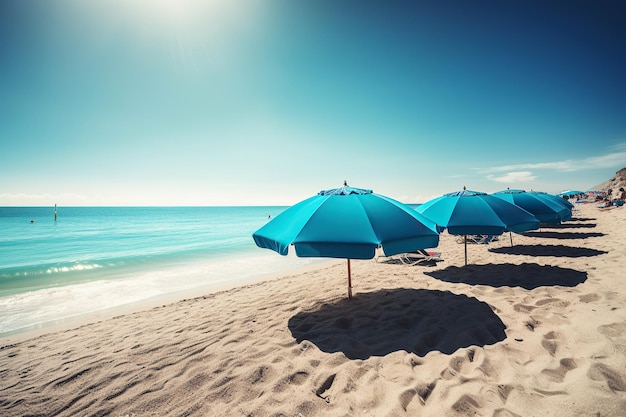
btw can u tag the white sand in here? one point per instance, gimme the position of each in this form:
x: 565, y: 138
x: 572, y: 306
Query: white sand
x: 537, y: 329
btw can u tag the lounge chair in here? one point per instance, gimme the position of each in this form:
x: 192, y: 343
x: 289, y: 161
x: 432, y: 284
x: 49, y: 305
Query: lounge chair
x: 419, y: 256
x: 410, y: 258
x: 480, y: 239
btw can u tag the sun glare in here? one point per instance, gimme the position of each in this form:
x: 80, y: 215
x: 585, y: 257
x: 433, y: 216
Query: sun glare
x: 177, y: 10
x: 183, y: 12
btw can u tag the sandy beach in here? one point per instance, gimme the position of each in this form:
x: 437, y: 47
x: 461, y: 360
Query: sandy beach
x: 533, y: 329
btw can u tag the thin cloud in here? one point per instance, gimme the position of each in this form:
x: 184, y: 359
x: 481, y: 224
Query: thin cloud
x: 514, y: 177
x: 619, y: 146
x: 568, y: 165
x: 615, y: 159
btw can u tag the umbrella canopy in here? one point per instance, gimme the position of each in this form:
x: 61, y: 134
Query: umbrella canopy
x: 556, y: 199
x: 543, y: 208
x: 568, y: 193
x: 347, y: 223
x: 472, y: 212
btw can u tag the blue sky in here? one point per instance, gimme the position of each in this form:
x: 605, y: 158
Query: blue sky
x: 267, y: 102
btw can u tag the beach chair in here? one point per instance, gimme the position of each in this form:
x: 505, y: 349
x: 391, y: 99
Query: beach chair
x: 409, y: 258
x: 478, y: 239
x: 419, y: 256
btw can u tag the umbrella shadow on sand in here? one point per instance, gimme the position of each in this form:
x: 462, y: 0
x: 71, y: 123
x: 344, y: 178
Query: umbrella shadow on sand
x: 583, y: 219
x: 569, y: 226
x: 411, y: 320
x: 563, y: 235
x: 527, y: 276
x: 548, y: 250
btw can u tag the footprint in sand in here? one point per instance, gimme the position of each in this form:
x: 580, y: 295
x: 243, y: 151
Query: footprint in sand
x: 406, y: 397
x: 589, y: 298
x: 532, y: 324
x: 504, y: 391
x: 295, y: 378
x: 260, y: 374
x: 468, y: 405
x: 601, y: 372
x: 616, y: 332
x: 497, y: 393
x: 558, y: 374
x: 503, y: 412
x: 461, y: 364
x: 550, y: 342
x: 557, y: 302
x: 424, y: 391
x: 325, y: 386
x: 523, y: 308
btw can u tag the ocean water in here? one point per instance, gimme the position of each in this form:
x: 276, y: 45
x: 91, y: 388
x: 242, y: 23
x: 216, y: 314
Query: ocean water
x: 92, y: 259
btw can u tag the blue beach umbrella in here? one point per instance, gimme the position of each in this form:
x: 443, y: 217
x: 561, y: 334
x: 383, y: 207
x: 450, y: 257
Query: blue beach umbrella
x: 472, y: 212
x: 543, y: 208
x: 569, y: 193
x: 556, y: 199
x: 347, y: 223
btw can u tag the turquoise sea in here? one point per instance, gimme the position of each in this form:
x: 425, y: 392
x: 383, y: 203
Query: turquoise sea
x: 92, y: 259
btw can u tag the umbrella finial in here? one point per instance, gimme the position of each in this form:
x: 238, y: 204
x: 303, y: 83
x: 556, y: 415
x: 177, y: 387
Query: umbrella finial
x: 464, y: 188
x: 345, y: 183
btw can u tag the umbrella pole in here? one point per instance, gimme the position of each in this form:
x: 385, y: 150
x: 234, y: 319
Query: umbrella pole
x: 349, y: 282
x: 511, y: 237
x: 465, y: 239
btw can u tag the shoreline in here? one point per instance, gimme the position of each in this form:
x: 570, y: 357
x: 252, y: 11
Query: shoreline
x: 537, y: 328
x: 150, y: 303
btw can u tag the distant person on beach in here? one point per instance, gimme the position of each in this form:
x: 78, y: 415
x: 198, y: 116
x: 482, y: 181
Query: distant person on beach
x: 608, y: 200
x: 622, y: 198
